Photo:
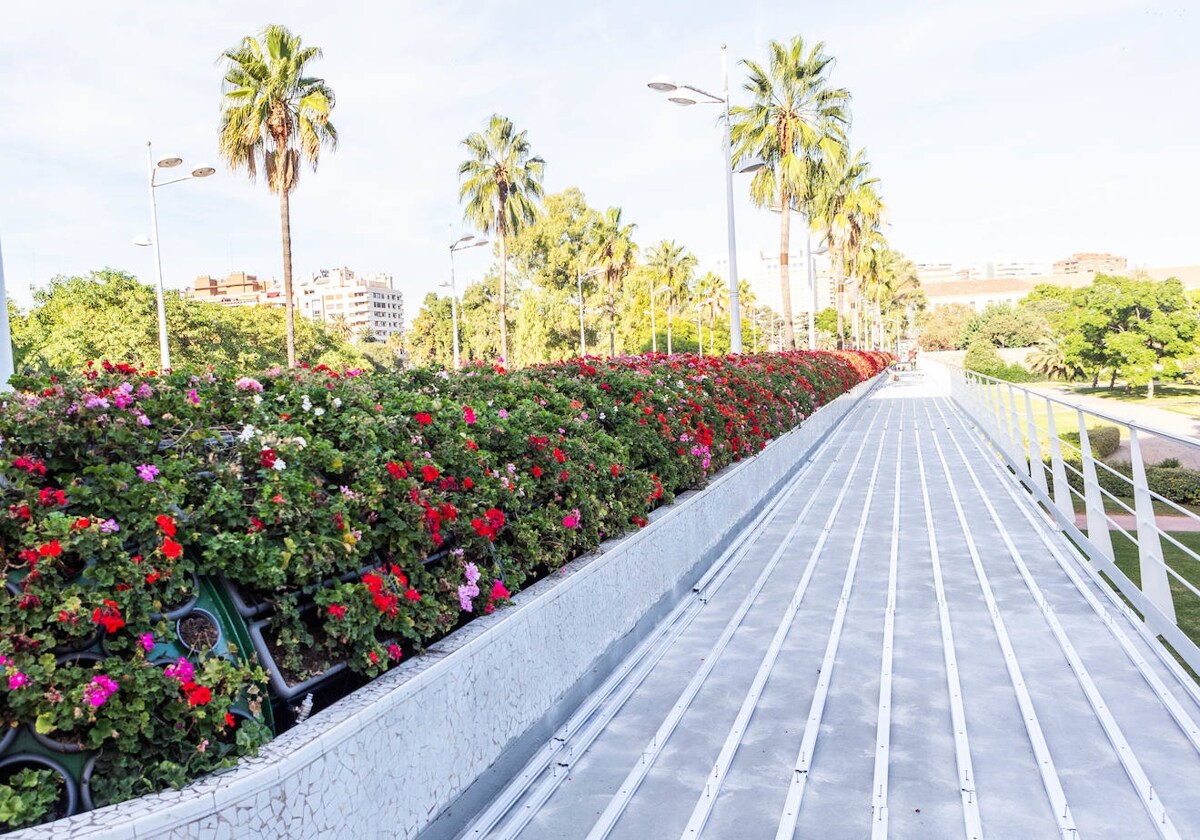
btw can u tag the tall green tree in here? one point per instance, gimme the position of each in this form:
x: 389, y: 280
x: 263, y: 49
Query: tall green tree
x: 616, y: 251
x: 430, y: 340
x: 796, y: 121
x: 275, y: 116
x: 848, y: 207
x: 672, y: 268
x: 711, y: 297
x: 501, y: 185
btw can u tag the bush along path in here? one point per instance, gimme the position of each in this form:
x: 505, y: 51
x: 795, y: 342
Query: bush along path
x: 189, y: 556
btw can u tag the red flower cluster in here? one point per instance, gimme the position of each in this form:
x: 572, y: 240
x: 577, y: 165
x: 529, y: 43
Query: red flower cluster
x: 423, y: 418
x: 50, y: 497
x: 109, y: 616
x: 29, y: 465
x: 489, y: 525
x: 197, y: 695
x: 268, y: 458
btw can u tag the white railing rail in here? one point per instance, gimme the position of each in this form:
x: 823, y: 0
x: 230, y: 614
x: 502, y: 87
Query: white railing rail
x: 1022, y: 426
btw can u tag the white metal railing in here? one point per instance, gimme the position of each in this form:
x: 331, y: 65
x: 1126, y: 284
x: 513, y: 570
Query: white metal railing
x: 1022, y: 426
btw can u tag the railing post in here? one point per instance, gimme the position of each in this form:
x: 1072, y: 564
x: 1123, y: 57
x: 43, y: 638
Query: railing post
x: 1037, y: 470
x: 1155, y: 583
x: 1062, y: 490
x: 1014, y: 431
x: 1097, y: 523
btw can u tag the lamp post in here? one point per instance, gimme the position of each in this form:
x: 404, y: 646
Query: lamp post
x: 579, y: 278
x: 164, y: 162
x: 460, y: 244
x: 679, y: 94
x: 810, y: 271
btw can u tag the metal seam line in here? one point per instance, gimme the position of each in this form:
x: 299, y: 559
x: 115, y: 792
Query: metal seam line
x: 1050, y: 779
x: 883, y: 729
x: 620, y: 800
x: 972, y: 822
x: 1153, y: 804
x: 588, y: 722
x: 1186, y: 723
x: 816, y: 709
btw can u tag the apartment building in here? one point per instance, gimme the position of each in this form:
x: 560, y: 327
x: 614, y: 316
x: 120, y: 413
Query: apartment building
x: 364, y: 301
x: 1089, y: 263
x: 237, y: 289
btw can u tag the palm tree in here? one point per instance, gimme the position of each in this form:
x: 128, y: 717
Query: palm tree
x: 711, y: 294
x: 275, y: 114
x: 1049, y: 358
x: 616, y: 252
x: 673, y: 267
x: 747, y: 301
x: 848, y: 208
x: 502, y: 185
x: 339, y: 327
x: 796, y: 122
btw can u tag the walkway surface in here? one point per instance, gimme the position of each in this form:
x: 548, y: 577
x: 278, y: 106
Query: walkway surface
x: 900, y: 647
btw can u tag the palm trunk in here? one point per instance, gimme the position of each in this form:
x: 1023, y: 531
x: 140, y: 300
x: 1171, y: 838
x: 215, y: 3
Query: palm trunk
x: 612, y: 314
x: 841, y: 290
x: 712, y: 334
x: 785, y: 283
x: 668, y: 326
x: 699, y: 333
x: 285, y: 220
x: 653, y: 327
x: 503, y: 299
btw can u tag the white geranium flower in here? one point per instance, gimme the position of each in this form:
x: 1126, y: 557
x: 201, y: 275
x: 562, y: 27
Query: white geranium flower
x: 317, y: 412
x: 337, y: 402
x: 279, y: 465
x: 301, y: 442
x: 247, y: 433
x: 258, y: 399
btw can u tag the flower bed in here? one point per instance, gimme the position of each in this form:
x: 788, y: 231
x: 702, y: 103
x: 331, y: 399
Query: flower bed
x: 355, y: 518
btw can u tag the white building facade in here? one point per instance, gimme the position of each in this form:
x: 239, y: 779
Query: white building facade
x: 365, y: 301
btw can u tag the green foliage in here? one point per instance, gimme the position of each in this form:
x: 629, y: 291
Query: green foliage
x: 1104, y: 440
x: 110, y: 315
x: 28, y: 796
x: 1003, y: 325
x: 943, y: 327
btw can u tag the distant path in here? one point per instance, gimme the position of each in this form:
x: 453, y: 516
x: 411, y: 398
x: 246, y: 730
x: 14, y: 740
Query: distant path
x: 1154, y: 449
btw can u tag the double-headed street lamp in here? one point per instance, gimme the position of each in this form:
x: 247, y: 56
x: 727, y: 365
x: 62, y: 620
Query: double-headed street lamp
x: 165, y: 162
x: 686, y: 95
x: 461, y: 244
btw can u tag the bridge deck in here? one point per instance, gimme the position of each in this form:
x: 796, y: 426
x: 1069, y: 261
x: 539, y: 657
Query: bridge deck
x: 901, y: 647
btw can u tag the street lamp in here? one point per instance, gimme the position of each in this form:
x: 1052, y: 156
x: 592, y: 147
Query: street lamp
x: 164, y: 162
x: 579, y: 278
x: 686, y: 95
x: 461, y: 244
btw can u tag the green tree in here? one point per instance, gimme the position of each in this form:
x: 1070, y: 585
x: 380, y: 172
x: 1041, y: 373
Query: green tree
x: 795, y: 123
x: 1004, y: 325
x: 614, y: 249
x: 501, y: 185
x: 274, y: 114
x: 848, y: 207
x: 110, y: 315
x: 430, y: 340
x: 944, y: 327
x: 672, y: 268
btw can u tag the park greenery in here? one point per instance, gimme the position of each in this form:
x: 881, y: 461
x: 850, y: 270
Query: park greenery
x: 1137, y: 330
x: 560, y: 262
x: 110, y: 315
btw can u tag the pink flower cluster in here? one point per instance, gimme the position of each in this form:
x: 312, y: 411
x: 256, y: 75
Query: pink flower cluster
x: 99, y: 690
x: 183, y: 671
x: 470, y: 590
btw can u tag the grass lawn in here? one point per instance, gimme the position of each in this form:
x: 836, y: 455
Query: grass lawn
x: 1187, y: 605
x: 1182, y: 399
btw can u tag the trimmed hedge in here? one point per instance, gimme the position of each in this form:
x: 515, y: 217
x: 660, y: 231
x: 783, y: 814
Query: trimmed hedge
x: 367, y: 515
x: 1104, y: 440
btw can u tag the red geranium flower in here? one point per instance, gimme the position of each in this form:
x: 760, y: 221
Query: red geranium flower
x: 337, y: 611
x: 229, y: 719
x: 430, y: 473
x: 82, y: 522
x: 423, y: 418
x: 537, y: 472
x: 166, y: 524
x: 171, y: 548
x: 50, y: 549
x: 109, y: 616
x: 197, y: 695
x: 396, y: 471
x: 268, y: 458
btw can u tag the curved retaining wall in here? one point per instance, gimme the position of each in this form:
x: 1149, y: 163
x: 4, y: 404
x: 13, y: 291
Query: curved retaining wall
x: 431, y: 739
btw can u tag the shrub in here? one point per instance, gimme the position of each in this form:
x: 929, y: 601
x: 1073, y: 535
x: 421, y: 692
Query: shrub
x: 1104, y: 440
x: 1179, y: 484
x: 396, y: 507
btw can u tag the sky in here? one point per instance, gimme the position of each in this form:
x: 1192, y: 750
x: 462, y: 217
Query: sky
x: 1028, y: 129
